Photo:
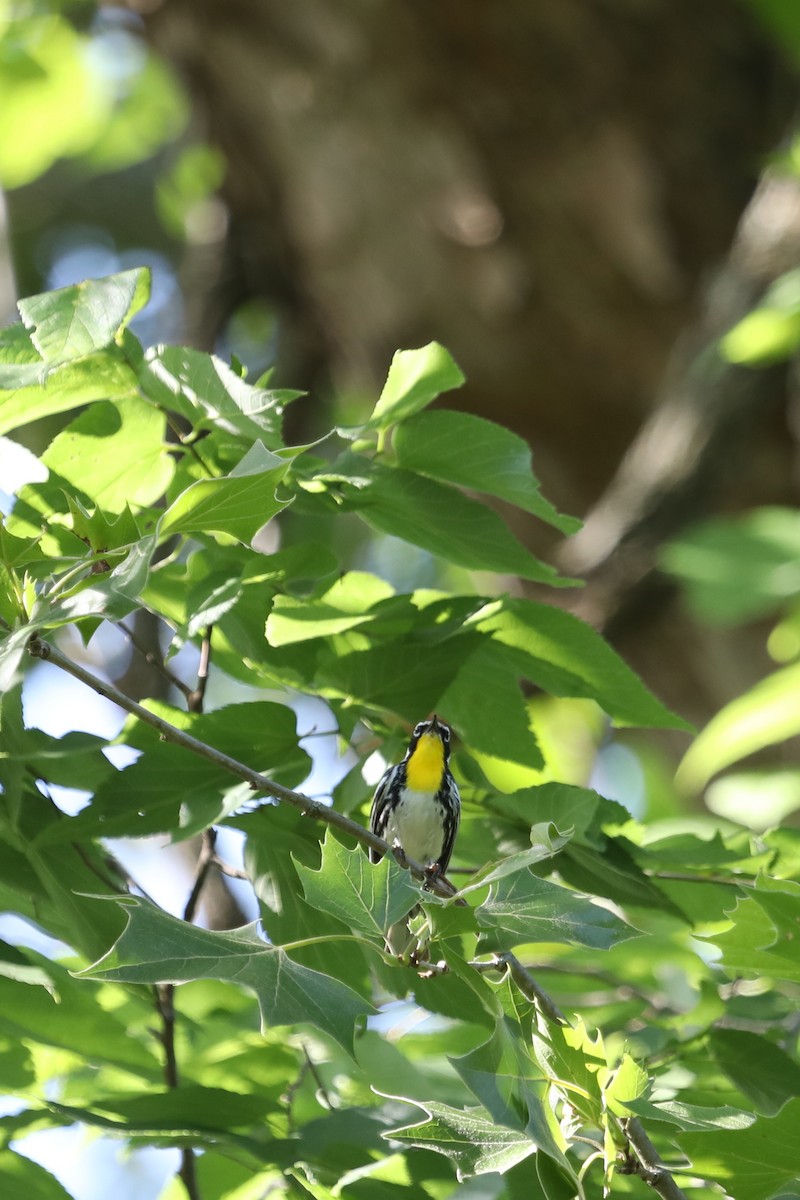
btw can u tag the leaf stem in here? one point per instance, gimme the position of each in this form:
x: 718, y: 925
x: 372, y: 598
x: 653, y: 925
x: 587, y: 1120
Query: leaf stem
x: 322, y: 938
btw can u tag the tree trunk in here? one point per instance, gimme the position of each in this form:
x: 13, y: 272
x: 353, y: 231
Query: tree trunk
x: 543, y: 187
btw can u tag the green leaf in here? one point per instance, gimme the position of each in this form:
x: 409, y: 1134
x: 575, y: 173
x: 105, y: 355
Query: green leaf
x: 488, y: 680
x: 691, y: 1116
x: 278, y: 837
x: 74, y: 321
x: 760, y: 1069
x: 766, y: 714
x: 571, y: 1059
x: 566, y: 657
x: 522, y: 908
x: 76, y: 1020
x: 627, y: 1082
x: 736, y: 569
x: 757, y: 942
x: 612, y: 872
x: 345, y: 605
x: 100, y: 376
x: 17, y: 966
x: 170, y: 790
x: 507, y: 1082
x: 756, y: 1162
x: 445, y: 522
x: 114, y: 454
x: 157, y: 948
x: 367, y: 898
x: 211, y: 395
x: 472, y: 452
x: 475, y: 1143
x: 27, y: 1180
x: 546, y: 842
x: 237, y: 504
x: 416, y: 377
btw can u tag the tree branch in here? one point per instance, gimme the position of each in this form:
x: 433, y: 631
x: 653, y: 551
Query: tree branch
x: 38, y: 648
x: 526, y: 984
x: 649, y: 1166
x: 651, y: 1169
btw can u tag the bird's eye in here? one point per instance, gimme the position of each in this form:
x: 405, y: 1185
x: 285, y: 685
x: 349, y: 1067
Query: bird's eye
x: 445, y: 734
x: 418, y: 729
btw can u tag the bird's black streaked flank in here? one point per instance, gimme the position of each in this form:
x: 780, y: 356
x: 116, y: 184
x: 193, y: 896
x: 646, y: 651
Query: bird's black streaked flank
x: 417, y: 807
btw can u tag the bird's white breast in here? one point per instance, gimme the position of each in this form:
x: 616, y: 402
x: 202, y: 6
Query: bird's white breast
x: 416, y: 823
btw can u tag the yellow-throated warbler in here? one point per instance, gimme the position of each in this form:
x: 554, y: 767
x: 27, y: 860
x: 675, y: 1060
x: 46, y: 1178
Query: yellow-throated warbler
x: 417, y: 806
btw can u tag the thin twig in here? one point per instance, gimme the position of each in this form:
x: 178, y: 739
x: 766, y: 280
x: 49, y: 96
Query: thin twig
x: 205, y: 860
x: 155, y: 660
x: 226, y: 869
x: 312, y: 1066
x: 165, y: 1007
x: 194, y: 699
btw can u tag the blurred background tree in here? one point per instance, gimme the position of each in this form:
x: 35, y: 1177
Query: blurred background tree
x: 578, y: 199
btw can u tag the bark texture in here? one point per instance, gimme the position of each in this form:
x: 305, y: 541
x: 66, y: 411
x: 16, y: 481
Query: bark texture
x: 546, y: 188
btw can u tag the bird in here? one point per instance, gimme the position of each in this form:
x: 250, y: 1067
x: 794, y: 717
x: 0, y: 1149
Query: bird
x: 417, y: 808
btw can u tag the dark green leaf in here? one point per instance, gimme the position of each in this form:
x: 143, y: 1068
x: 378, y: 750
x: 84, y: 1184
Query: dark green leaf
x: 169, y: 789
x: 760, y: 1069
x: 754, y: 1163
x: 24, y: 1179
x: 157, y: 948
x: 507, y: 1082
x: 469, y: 1137
x: 472, y: 452
x: 15, y: 965
x: 365, y: 897
x: 568, y: 658
x: 522, y: 908
x: 445, y: 522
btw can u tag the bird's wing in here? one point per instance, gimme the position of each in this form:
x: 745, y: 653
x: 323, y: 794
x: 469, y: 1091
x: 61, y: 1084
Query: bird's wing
x: 379, y: 816
x: 451, y: 826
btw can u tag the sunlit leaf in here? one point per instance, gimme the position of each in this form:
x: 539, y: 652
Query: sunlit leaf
x: 237, y: 504
x: 467, y: 1136
x: 472, y: 452
x: 416, y: 377
x: 766, y: 714
x: 365, y: 897
x: 74, y: 321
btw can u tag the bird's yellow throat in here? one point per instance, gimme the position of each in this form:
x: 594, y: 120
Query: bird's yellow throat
x: 425, y: 767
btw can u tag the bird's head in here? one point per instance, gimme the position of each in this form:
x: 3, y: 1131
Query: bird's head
x: 427, y: 755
